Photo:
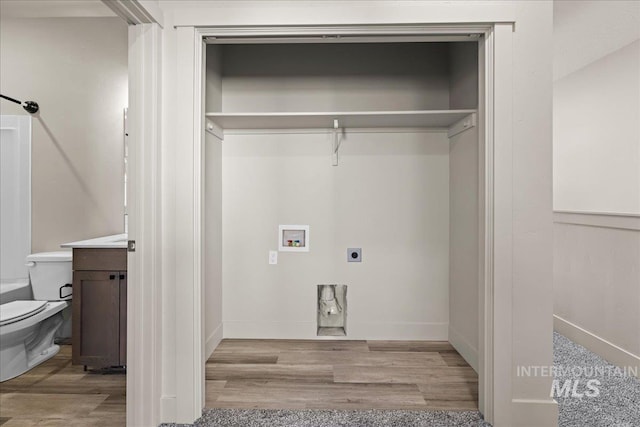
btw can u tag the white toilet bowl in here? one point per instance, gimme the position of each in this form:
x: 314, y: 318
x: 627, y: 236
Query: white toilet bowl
x: 28, y: 327
x: 27, y: 342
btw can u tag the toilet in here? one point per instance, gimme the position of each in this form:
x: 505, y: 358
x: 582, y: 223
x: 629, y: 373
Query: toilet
x: 28, y: 327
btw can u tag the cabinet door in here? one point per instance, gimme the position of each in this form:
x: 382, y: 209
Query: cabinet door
x: 123, y: 318
x: 96, y: 318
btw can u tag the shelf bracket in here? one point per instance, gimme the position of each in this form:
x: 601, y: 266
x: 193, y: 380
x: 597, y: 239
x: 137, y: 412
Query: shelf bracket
x: 465, y: 124
x: 337, y: 140
x: 213, y: 128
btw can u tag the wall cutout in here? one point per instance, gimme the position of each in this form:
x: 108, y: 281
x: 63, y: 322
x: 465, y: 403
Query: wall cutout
x: 293, y: 238
x: 332, y: 310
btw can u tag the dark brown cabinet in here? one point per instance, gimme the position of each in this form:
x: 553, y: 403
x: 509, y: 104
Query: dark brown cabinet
x: 99, y: 335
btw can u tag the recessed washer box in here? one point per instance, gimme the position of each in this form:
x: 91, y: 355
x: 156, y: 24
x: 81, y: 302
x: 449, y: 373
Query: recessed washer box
x: 354, y: 255
x: 293, y: 238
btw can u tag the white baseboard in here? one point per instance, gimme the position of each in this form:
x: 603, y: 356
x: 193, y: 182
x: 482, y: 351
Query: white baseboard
x: 355, y: 330
x: 466, y: 350
x: 268, y: 330
x: 603, y: 348
x: 168, y: 409
x: 409, y: 331
x: 213, y: 340
x: 534, y: 412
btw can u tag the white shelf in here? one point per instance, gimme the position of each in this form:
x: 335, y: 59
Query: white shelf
x: 349, y: 119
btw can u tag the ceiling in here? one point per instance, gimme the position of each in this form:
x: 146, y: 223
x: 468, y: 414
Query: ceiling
x: 53, y: 9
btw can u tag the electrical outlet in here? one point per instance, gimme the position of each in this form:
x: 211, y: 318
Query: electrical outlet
x: 273, y: 257
x: 354, y: 255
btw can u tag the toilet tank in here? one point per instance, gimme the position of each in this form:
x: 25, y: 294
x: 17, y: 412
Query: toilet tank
x: 51, y: 275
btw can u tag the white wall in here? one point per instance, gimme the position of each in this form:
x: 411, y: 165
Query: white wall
x: 464, y: 175
x: 212, y: 307
x: 335, y: 77
x: 76, y: 69
x: 597, y: 284
x: 597, y: 136
x: 597, y: 170
x: 389, y: 195
x: 213, y: 244
x: 464, y: 245
x: 463, y: 76
x: 587, y: 30
x: 213, y: 83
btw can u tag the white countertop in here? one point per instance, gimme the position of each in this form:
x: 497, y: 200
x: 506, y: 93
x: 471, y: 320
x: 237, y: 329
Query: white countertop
x: 114, y: 241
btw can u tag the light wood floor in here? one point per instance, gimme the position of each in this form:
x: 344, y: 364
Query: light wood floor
x: 56, y: 393
x: 284, y: 374
x: 275, y: 374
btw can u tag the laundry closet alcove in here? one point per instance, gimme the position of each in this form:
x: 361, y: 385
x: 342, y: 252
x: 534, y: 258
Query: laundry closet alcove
x: 374, y: 145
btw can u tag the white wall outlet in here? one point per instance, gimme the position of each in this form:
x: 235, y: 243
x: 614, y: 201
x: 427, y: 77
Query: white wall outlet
x: 273, y: 257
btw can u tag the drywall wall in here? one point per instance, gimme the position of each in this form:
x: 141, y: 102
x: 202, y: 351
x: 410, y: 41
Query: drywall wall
x: 212, y: 304
x: 464, y: 245
x: 335, y: 77
x: 76, y: 69
x: 597, y: 277
x: 587, y: 30
x: 213, y: 81
x: 597, y: 170
x: 464, y: 223
x: 597, y: 137
x: 213, y: 243
x: 463, y: 76
x: 389, y: 195
x: 54, y: 9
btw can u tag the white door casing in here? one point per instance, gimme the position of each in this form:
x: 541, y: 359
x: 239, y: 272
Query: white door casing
x: 144, y: 315
x: 496, y: 332
x: 496, y: 135
x: 189, y: 251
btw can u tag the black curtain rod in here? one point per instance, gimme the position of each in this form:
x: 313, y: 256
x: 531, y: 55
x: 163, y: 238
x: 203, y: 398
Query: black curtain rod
x: 30, y: 106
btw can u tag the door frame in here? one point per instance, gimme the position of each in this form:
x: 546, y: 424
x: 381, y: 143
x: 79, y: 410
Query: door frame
x: 495, y: 213
x: 144, y: 264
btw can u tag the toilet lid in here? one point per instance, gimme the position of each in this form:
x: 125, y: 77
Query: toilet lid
x: 15, y: 311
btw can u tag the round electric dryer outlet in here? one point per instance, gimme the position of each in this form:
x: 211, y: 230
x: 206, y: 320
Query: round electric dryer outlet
x: 354, y: 255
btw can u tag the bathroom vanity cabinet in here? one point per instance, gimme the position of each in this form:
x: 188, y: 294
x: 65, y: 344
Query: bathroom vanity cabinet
x: 99, y: 307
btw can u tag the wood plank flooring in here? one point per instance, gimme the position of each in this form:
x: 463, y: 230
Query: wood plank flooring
x: 269, y: 374
x: 56, y: 393
x: 319, y: 374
